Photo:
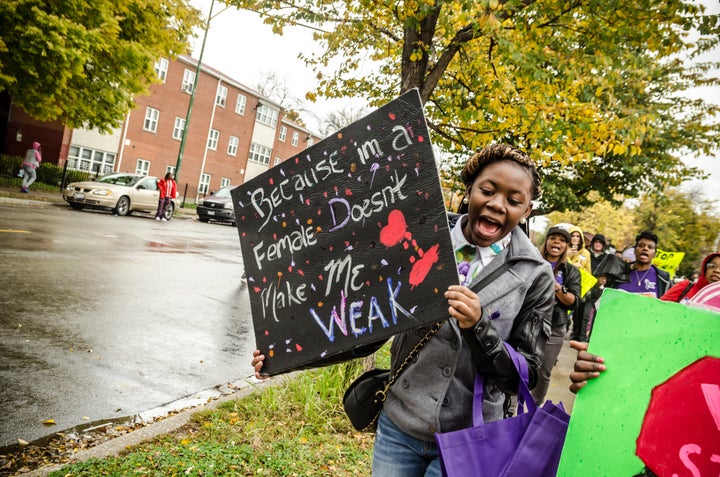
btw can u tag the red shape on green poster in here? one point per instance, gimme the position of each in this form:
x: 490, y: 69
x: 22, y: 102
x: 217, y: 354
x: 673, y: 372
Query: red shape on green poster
x: 680, y: 434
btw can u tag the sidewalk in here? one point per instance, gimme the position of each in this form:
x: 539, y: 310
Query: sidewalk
x: 40, y: 198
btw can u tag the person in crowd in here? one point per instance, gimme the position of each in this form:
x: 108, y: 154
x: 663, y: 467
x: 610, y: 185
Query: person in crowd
x: 435, y: 392
x: 682, y: 291
x: 578, y: 255
x: 644, y: 277
x: 694, y: 276
x: 584, y: 315
x: 168, y: 191
x: 567, y: 298
x: 33, y: 158
x: 597, y: 251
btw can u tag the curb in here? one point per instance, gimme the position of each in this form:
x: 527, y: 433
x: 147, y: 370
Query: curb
x: 113, y: 447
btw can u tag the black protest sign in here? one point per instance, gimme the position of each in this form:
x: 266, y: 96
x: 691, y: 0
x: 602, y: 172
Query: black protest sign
x: 347, y: 243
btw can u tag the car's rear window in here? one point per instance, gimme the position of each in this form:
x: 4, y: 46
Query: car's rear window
x: 120, y: 179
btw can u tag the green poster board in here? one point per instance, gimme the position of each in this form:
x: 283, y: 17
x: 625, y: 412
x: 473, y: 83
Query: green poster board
x: 644, y: 342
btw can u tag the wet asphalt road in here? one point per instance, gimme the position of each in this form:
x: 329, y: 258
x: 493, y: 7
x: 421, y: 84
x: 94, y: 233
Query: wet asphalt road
x: 103, y: 316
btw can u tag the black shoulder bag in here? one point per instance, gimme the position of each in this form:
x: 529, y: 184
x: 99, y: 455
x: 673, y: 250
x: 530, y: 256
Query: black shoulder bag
x: 364, y: 398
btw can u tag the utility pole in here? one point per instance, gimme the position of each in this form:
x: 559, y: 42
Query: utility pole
x: 192, y: 95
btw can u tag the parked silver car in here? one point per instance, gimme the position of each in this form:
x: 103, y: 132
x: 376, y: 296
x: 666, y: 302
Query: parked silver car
x: 120, y: 192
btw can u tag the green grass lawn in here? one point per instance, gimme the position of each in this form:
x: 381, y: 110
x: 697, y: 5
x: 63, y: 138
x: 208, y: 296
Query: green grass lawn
x: 294, y: 429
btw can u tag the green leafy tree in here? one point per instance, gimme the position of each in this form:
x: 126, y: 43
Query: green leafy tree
x: 592, y: 89
x: 683, y: 223
x: 83, y: 62
x: 618, y: 224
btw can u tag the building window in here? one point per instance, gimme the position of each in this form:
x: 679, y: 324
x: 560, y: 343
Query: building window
x: 267, y: 115
x: 295, y: 138
x: 204, y: 183
x: 224, y: 182
x: 240, y: 104
x: 277, y: 161
x: 188, y: 81
x: 170, y: 169
x: 221, y: 96
x: 161, y: 68
x: 310, y: 141
x: 283, y: 133
x: 232, y: 146
x: 151, y: 119
x: 142, y: 167
x: 89, y: 160
x: 178, y: 128
x: 260, y: 153
x: 213, y: 139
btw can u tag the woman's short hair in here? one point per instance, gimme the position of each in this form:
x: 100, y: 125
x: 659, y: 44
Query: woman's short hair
x: 496, y: 153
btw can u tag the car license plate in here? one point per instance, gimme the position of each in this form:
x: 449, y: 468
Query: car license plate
x: 79, y: 196
x: 211, y: 212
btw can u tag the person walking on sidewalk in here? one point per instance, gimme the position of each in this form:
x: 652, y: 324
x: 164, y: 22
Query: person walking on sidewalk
x: 33, y: 158
x: 567, y: 298
x: 168, y: 191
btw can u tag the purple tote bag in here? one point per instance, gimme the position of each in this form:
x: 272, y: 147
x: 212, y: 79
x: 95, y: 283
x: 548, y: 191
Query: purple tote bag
x: 527, y: 445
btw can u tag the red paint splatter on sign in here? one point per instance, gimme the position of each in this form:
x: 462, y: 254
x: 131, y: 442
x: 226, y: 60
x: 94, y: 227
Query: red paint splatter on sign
x: 395, y: 230
x: 422, y: 267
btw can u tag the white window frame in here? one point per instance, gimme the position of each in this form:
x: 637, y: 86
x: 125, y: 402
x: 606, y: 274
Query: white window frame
x: 310, y: 141
x: 142, y: 167
x: 240, y: 104
x: 232, y: 146
x: 260, y: 154
x: 161, y: 68
x: 152, y: 116
x: 221, y: 95
x: 277, y: 161
x: 224, y: 182
x: 267, y: 115
x: 90, y: 160
x: 178, y: 128
x: 295, y: 138
x: 213, y: 139
x: 188, y: 81
x: 204, y: 184
x: 283, y: 134
x: 170, y: 169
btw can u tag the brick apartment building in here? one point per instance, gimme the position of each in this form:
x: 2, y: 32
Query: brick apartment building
x: 234, y: 133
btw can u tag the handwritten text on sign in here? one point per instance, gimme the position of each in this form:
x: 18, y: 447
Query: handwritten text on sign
x: 347, y: 243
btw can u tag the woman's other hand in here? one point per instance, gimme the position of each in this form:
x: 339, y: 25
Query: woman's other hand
x: 257, y: 364
x: 587, y: 366
x: 464, y: 305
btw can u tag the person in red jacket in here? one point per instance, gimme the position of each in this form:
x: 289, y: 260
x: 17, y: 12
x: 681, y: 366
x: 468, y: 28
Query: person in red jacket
x: 682, y: 291
x: 168, y: 191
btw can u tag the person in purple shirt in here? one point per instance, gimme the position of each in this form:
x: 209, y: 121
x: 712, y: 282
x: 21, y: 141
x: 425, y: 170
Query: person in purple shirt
x: 644, y: 277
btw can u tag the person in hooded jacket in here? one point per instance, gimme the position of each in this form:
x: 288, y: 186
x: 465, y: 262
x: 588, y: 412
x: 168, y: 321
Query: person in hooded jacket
x: 597, y: 251
x: 582, y: 317
x: 33, y: 158
x: 577, y: 254
x: 684, y: 290
x: 567, y: 298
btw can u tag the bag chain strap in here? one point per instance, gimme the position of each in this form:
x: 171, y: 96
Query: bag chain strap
x: 382, y: 394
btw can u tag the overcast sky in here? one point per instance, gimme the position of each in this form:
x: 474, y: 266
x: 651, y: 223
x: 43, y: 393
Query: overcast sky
x: 242, y: 47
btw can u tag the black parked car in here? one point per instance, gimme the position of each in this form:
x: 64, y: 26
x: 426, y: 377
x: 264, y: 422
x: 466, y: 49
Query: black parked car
x: 217, y: 207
